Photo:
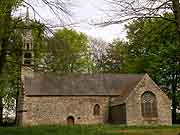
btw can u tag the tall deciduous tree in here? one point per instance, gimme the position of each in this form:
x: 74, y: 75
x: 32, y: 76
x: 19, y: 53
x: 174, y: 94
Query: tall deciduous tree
x: 10, y: 75
x: 68, y: 51
x: 153, y: 49
x: 8, y: 27
x: 112, y: 60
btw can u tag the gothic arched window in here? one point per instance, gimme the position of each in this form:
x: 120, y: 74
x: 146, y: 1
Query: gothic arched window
x: 96, y: 110
x: 149, y: 104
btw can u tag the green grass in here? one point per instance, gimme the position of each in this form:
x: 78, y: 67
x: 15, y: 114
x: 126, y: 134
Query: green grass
x: 91, y: 130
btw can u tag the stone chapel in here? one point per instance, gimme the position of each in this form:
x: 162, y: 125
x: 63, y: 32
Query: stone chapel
x: 48, y: 98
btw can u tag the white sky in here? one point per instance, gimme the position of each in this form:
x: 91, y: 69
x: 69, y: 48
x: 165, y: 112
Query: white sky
x: 90, y: 10
x: 84, y: 12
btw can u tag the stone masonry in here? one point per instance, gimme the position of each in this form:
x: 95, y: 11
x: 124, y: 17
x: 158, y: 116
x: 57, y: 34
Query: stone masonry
x: 56, y: 110
x: 133, y: 104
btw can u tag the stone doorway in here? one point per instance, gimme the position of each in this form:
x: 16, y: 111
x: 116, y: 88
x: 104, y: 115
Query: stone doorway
x: 70, y: 120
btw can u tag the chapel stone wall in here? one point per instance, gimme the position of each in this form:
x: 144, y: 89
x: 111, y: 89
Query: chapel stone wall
x: 133, y: 105
x: 56, y: 109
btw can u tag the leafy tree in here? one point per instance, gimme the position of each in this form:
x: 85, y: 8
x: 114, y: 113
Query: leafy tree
x: 68, y: 51
x: 39, y: 43
x: 7, y: 24
x: 11, y: 72
x: 112, y: 60
x: 153, y: 48
x: 9, y: 27
x: 10, y: 76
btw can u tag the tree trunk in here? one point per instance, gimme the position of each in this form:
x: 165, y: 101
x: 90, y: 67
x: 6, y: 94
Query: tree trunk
x: 174, y: 102
x: 16, y: 116
x: 176, y: 11
x: 72, y: 68
x: 3, y: 53
x: 174, y: 105
x: 1, y: 111
x: 2, y: 63
x: 19, y: 60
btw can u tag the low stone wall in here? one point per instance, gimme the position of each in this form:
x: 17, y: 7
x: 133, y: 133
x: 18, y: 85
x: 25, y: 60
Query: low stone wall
x: 56, y: 109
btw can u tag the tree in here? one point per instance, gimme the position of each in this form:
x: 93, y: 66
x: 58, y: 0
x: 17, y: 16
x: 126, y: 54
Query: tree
x: 125, y: 10
x: 155, y: 51
x: 68, y: 51
x: 9, y: 25
x: 10, y: 76
x: 111, y: 61
x: 98, y: 48
x: 6, y: 8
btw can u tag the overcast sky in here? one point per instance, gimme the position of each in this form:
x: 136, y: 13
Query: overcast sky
x: 83, y: 13
x: 91, y: 10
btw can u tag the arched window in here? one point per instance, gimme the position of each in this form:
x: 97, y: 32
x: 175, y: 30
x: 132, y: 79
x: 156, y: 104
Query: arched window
x: 96, y: 110
x: 28, y: 46
x: 149, y: 104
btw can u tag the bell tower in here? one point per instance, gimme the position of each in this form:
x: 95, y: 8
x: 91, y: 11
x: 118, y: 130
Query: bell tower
x: 28, y: 54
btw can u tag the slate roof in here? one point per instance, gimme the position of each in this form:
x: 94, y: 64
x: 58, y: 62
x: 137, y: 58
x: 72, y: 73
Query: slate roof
x: 47, y: 84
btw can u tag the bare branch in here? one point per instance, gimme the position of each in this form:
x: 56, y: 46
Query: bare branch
x: 59, y: 8
x: 121, y: 11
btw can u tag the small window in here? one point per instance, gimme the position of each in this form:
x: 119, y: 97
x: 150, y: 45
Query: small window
x: 27, y: 62
x: 27, y: 55
x: 96, y: 110
x: 28, y: 46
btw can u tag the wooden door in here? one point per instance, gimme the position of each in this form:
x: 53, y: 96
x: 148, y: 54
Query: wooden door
x: 70, y: 120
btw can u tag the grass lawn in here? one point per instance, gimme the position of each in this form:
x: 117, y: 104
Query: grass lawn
x: 91, y: 130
